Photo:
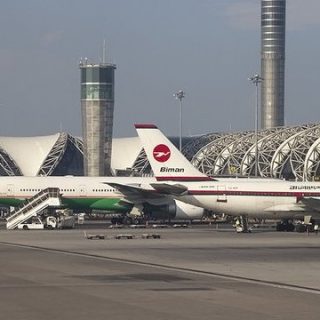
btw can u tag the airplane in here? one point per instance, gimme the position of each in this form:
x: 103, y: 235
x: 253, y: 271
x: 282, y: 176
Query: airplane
x: 88, y: 193
x: 248, y: 197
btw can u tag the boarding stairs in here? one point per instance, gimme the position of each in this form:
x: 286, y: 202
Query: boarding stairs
x: 49, y: 197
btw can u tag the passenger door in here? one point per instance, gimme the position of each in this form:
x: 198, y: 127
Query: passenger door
x: 222, y: 196
x: 82, y: 191
x: 10, y: 190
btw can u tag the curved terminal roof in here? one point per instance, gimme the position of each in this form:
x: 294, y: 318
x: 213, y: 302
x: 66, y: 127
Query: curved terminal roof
x: 58, y: 154
x: 124, y: 152
x: 284, y: 152
x: 28, y: 152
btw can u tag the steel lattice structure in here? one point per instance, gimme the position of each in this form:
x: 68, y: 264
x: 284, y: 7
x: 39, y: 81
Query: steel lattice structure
x: 54, y: 156
x: 8, y: 166
x: 196, y: 143
x: 229, y: 161
x: 206, y: 159
x: 290, y: 158
x: 312, y: 162
x: 57, y: 152
x: 266, y: 149
x: 141, y: 165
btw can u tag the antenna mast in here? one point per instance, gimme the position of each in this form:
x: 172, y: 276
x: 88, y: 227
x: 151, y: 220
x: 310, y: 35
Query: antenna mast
x: 104, y: 52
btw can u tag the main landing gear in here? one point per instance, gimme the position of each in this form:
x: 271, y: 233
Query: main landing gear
x: 127, y: 220
x: 285, y: 225
x: 242, y: 224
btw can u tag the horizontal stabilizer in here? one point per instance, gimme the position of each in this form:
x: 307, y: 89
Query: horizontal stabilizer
x: 136, y: 194
x: 176, y: 189
x: 134, y: 190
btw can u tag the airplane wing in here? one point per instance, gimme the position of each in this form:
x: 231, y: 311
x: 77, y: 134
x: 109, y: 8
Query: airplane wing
x: 285, y: 208
x: 175, y: 189
x: 313, y: 203
x: 137, y: 194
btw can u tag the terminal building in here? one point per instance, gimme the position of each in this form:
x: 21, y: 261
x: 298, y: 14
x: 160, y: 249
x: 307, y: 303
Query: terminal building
x: 283, y: 152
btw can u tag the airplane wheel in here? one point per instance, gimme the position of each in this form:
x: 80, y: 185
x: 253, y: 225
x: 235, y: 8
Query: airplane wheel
x: 127, y: 220
x: 300, y: 228
x: 290, y: 227
x: 285, y: 226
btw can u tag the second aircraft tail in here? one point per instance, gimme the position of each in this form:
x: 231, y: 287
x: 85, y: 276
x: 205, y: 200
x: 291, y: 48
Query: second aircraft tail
x: 166, y: 161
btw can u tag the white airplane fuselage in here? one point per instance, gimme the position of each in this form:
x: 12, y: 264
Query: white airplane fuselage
x: 260, y: 198
x: 76, y: 192
x: 86, y: 193
x: 255, y: 197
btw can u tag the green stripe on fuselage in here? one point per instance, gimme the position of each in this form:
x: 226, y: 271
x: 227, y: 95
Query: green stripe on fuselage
x: 11, y: 202
x: 110, y: 204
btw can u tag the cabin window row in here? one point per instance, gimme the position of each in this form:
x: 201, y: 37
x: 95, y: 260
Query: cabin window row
x: 38, y: 190
x: 67, y: 190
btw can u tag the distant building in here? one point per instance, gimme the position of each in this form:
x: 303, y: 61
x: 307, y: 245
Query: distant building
x: 273, y: 23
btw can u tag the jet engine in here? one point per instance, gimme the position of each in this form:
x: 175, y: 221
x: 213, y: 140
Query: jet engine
x: 173, y: 210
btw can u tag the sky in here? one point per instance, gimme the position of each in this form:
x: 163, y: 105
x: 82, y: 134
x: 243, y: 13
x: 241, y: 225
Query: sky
x: 208, y: 48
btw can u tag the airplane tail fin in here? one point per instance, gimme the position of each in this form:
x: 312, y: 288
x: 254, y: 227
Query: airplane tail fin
x: 166, y: 161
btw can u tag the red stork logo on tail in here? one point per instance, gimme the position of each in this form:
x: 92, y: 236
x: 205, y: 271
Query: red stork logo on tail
x: 161, y: 153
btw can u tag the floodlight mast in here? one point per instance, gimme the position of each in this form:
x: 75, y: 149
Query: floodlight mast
x: 179, y: 96
x: 256, y: 80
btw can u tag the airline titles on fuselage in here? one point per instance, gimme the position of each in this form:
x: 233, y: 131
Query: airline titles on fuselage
x: 167, y: 169
x: 304, y: 187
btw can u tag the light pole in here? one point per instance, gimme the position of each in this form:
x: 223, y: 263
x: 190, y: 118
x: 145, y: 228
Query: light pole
x: 256, y: 80
x: 180, y: 95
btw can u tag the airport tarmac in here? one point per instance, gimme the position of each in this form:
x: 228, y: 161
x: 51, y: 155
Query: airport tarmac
x: 192, y: 273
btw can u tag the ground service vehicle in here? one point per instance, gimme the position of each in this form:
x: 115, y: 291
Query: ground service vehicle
x: 35, y: 223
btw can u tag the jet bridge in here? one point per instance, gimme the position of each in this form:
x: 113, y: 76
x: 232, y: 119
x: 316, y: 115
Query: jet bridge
x: 49, y: 197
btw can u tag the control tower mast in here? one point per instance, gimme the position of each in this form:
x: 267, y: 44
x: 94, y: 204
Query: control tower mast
x: 97, y: 105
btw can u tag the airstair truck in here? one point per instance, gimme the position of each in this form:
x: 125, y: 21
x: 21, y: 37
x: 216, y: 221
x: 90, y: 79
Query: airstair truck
x: 50, y: 222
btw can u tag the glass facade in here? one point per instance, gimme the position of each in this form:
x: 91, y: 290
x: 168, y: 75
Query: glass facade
x: 273, y: 21
x: 96, y: 91
x: 97, y: 82
x: 98, y: 73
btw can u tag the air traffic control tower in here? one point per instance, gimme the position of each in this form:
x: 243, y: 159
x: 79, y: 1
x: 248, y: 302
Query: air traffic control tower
x: 273, y: 23
x: 97, y: 104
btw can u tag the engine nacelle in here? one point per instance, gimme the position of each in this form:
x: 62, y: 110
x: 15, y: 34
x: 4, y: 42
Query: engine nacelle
x: 188, y: 211
x: 174, y: 210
